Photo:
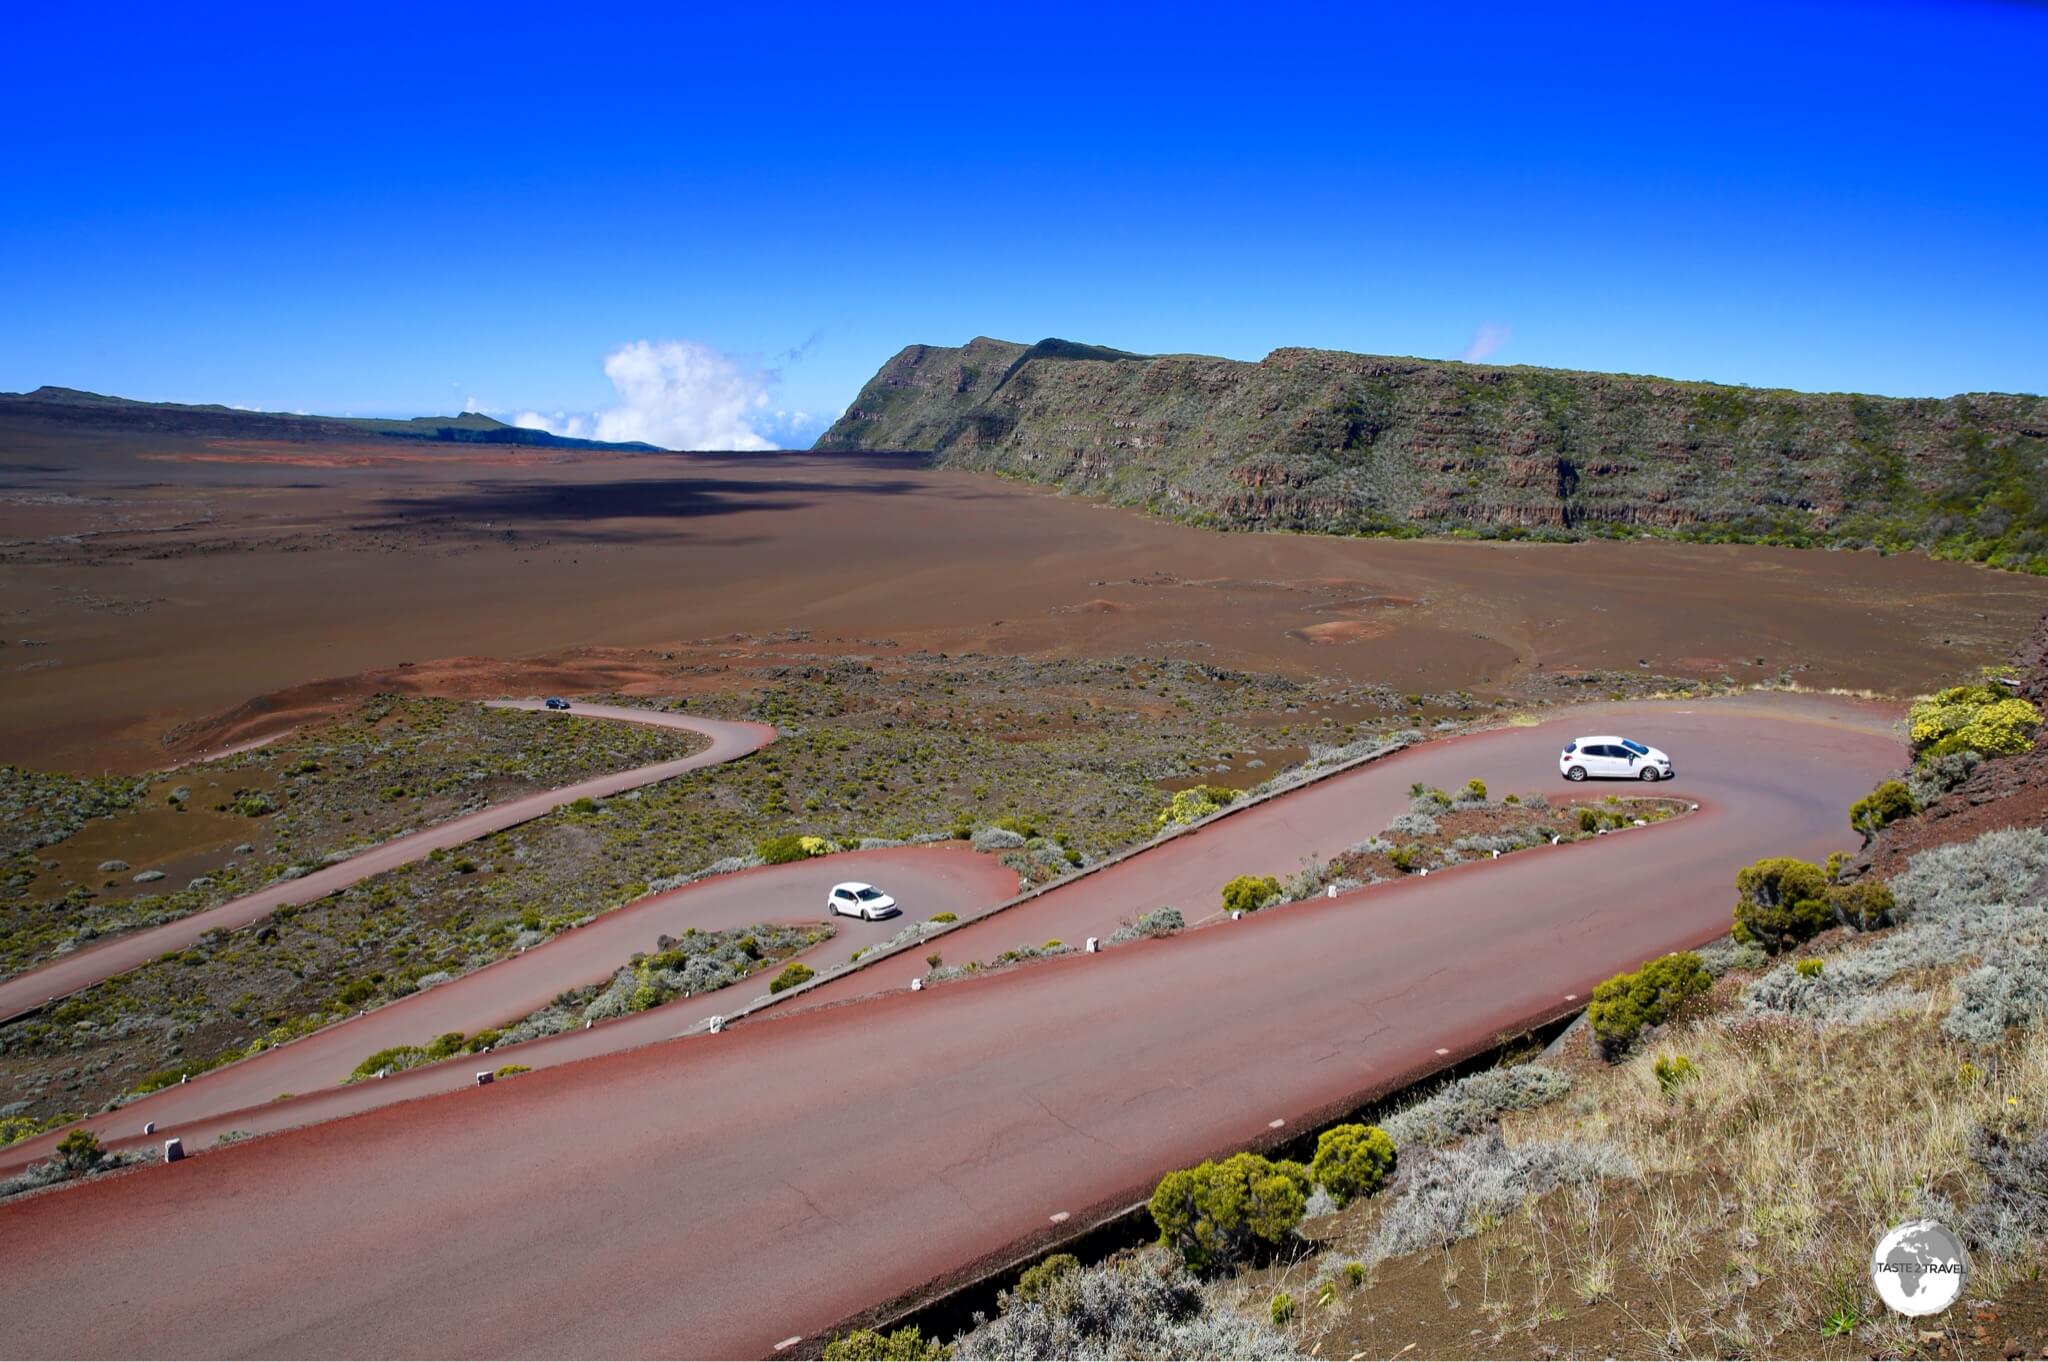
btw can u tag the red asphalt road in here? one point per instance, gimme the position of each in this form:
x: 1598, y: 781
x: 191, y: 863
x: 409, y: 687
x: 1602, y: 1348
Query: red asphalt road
x: 713, y: 1196
x: 244, y: 1095
x: 82, y: 969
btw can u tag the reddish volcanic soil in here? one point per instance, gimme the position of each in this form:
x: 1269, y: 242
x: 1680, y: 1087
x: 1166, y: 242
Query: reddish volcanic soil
x: 147, y: 589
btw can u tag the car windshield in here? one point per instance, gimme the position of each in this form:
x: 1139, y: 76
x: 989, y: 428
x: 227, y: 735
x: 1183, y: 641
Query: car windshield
x: 871, y: 893
x: 1635, y: 747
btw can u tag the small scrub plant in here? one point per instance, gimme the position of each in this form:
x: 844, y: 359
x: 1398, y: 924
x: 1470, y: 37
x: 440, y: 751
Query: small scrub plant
x: 1193, y: 804
x: 513, y: 1070
x: 1810, y: 968
x: 1282, y: 1308
x: 1864, y: 905
x: 1780, y: 902
x: 1249, y: 893
x: 907, y: 1344
x: 1354, y: 1273
x: 784, y: 849
x: 1216, y: 1213
x: 1158, y: 922
x: 1886, y: 804
x: 945, y: 917
x: 794, y: 973
x: 1624, y: 1005
x: 1352, y: 1161
x: 1475, y: 790
x: 79, y: 1152
x: 1674, y: 1072
x: 1034, y: 1280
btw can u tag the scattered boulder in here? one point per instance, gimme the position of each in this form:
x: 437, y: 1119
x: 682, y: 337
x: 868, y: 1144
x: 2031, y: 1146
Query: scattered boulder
x: 112, y: 866
x: 149, y: 876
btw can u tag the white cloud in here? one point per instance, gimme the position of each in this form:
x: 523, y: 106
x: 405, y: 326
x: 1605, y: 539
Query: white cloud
x: 675, y: 394
x: 1490, y: 337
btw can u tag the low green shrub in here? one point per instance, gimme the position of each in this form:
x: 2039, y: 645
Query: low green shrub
x: 1810, y: 968
x: 1215, y: 1213
x: 783, y: 850
x: 1282, y: 1308
x: 1888, y: 803
x: 79, y: 1152
x: 945, y: 917
x: 794, y: 973
x: 1623, y: 1005
x: 1249, y: 893
x: 1674, y: 1072
x: 907, y: 1344
x: 1780, y: 902
x: 1475, y: 790
x: 1352, y: 1161
x: 1864, y: 905
x: 509, y: 1070
x: 1033, y: 1281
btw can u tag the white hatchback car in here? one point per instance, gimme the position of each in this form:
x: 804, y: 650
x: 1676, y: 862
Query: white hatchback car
x: 1615, y: 758
x: 854, y: 899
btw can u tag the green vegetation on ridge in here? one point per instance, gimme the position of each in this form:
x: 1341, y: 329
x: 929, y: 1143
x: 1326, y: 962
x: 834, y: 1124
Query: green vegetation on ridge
x: 1329, y: 442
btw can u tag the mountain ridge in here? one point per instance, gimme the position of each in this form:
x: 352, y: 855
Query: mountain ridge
x: 76, y: 407
x: 1329, y: 441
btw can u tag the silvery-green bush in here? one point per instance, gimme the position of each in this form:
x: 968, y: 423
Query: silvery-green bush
x: 1143, y: 1305
x: 1973, y: 899
x: 2010, y: 1214
x: 2009, y: 989
x: 1448, y: 1194
x: 1468, y: 1105
x: 1158, y: 922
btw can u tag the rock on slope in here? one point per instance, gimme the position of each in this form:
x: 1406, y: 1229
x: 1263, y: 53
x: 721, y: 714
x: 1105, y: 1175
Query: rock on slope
x: 1327, y: 441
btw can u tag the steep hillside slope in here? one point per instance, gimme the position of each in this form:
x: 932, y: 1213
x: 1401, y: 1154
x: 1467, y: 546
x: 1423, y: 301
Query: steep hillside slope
x: 1326, y: 441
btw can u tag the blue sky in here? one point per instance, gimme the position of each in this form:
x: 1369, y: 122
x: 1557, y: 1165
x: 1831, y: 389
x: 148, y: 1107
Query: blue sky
x: 403, y: 210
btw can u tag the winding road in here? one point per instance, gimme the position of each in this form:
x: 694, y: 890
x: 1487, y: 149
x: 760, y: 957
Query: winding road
x: 60, y: 978
x: 717, y: 1195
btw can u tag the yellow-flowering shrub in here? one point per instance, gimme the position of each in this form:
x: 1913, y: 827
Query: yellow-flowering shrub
x: 1978, y: 719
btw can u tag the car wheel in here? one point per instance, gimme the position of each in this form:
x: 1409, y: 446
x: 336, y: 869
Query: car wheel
x: 1576, y: 773
x: 1650, y: 774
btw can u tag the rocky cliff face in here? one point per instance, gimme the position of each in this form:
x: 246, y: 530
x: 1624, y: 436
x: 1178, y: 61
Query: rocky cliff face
x: 1326, y: 441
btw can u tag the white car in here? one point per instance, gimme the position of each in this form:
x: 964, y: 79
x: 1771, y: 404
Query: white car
x: 1613, y: 758
x: 854, y: 899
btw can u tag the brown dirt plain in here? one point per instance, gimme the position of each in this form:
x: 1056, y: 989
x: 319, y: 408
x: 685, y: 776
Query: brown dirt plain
x: 150, y: 588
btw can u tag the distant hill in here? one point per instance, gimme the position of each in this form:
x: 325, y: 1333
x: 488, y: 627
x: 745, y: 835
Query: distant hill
x: 72, y: 408
x: 1327, y: 441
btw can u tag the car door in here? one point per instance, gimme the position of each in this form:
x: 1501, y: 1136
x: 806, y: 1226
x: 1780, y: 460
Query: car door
x: 1608, y: 760
x: 842, y: 902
